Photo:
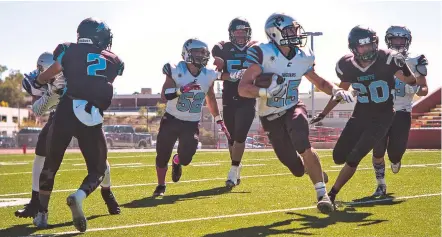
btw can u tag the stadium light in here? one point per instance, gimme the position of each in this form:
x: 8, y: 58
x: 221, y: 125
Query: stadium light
x: 312, y: 35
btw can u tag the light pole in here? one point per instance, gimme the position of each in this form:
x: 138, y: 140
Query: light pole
x: 312, y: 35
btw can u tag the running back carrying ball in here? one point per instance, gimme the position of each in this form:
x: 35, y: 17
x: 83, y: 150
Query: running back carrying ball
x: 264, y: 80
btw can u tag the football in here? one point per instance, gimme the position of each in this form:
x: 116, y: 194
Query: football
x: 264, y: 80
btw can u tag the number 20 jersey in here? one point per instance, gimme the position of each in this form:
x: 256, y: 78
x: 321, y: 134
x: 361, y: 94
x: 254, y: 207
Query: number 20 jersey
x: 271, y: 60
x: 375, y: 83
x: 188, y: 106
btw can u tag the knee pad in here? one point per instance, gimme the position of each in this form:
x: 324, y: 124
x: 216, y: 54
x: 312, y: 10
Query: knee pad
x: 161, y: 162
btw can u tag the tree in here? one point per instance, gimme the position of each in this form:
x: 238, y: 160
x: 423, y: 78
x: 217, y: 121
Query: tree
x: 11, y: 88
x: 4, y: 104
x: 161, y: 108
x: 143, y: 112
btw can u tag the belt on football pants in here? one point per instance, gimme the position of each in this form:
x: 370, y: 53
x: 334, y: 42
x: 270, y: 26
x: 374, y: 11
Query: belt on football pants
x: 272, y: 117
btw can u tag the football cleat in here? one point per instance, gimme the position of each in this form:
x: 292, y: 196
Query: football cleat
x: 238, y: 176
x: 232, y: 177
x: 111, y: 202
x: 395, y: 167
x: 29, y: 210
x: 381, y: 190
x: 78, y: 217
x: 41, y: 220
x: 159, y: 191
x: 325, y: 205
x: 177, y: 169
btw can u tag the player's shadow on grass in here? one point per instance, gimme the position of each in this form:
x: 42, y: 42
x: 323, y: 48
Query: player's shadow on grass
x: 300, y: 226
x: 29, y: 229
x: 370, y: 201
x: 171, y: 199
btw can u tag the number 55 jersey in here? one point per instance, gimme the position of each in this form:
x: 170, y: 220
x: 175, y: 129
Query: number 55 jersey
x: 375, y: 83
x: 188, y: 106
x: 292, y: 68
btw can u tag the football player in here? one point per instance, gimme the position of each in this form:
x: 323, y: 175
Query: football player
x: 371, y: 72
x: 90, y: 69
x: 395, y: 142
x: 238, y: 111
x: 188, y: 84
x: 48, y: 98
x: 283, y: 116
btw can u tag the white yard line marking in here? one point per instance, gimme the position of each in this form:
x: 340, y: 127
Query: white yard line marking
x: 14, y: 163
x: 240, y: 215
x: 202, y: 180
x: 206, y: 164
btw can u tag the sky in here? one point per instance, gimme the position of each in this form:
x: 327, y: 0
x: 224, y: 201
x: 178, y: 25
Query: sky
x: 147, y: 36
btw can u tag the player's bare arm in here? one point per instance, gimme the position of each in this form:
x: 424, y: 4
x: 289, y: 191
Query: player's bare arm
x: 423, y: 90
x: 246, y: 87
x: 50, y: 73
x: 330, y: 105
x: 169, y: 83
x: 211, y: 102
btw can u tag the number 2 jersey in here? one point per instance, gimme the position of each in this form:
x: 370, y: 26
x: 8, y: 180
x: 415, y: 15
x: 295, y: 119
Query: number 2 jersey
x: 188, y: 106
x: 403, y: 101
x: 234, y: 60
x: 292, y: 68
x: 375, y: 83
x: 89, y: 72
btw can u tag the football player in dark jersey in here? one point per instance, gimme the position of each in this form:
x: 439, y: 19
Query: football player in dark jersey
x: 48, y: 98
x: 238, y: 112
x: 371, y: 72
x: 90, y: 69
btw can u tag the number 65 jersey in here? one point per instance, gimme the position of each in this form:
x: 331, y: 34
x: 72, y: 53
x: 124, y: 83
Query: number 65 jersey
x: 291, y: 68
x: 188, y: 106
x: 375, y: 83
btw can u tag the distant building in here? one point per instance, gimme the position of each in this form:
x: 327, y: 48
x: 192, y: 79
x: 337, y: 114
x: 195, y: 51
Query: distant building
x: 10, y: 119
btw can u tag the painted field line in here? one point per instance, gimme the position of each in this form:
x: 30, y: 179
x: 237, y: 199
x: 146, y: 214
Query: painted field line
x: 189, y: 181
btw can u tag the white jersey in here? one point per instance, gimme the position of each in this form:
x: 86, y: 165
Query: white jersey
x: 403, y: 100
x: 272, y: 60
x: 188, y: 106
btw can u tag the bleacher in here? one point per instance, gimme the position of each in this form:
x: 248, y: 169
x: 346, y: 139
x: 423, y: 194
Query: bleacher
x: 431, y: 119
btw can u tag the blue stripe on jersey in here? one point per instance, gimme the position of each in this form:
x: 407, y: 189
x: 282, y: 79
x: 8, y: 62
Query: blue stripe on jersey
x: 252, y: 59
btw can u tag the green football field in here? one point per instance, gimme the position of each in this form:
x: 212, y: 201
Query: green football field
x: 269, y: 201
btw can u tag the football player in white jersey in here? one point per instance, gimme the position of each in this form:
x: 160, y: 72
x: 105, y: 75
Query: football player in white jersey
x: 283, y: 116
x: 188, y: 84
x: 395, y: 142
x: 48, y: 98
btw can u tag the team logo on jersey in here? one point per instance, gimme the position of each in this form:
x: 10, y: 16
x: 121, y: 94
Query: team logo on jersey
x: 272, y: 58
x: 289, y: 64
x: 180, y: 75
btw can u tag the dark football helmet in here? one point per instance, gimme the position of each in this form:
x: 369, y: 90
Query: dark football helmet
x: 96, y: 32
x: 240, y: 23
x: 360, y: 36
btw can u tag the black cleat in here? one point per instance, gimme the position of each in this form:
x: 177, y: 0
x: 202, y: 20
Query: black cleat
x: 159, y: 191
x: 381, y: 191
x: 29, y: 210
x: 111, y: 202
x: 177, y: 170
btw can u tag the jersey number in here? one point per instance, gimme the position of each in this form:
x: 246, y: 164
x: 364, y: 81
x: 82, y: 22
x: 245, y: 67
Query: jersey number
x: 373, y: 89
x: 235, y: 65
x: 99, y: 65
x: 400, y: 88
x: 185, y: 104
x: 290, y: 98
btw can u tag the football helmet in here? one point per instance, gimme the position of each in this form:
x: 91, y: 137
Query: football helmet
x: 240, y: 23
x: 398, y: 32
x: 285, y: 30
x: 196, y: 52
x: 361, y: 35
x: 96, y: 32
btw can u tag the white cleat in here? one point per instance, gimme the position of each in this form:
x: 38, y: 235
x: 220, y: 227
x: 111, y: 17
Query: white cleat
x: 41, y: 220
x: 78, y: 218
x: 325, y: 205
x: 395, y: 167
x: 238, y: 176
x: 232, y: 177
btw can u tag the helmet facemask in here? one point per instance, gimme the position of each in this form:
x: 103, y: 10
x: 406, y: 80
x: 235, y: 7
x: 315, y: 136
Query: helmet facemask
x: 365, y: 49
x: 241, y: 36
x: 199, y: 57
x: 398, y: 43
x: 293, y: 36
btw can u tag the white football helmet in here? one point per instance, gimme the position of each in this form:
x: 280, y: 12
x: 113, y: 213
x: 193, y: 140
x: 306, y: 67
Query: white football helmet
x: 196, y: 52
x: 285, y: 30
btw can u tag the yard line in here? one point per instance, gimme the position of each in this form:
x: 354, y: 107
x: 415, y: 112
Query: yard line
x: 205, y: 180
x: 241, y: 214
